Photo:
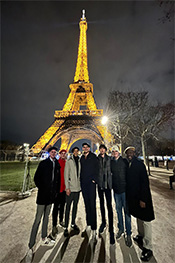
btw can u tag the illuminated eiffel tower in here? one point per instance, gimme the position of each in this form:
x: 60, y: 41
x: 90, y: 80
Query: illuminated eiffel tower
x: 79, y: 118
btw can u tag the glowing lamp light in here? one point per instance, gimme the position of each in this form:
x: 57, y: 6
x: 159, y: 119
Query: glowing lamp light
x: 26, y: 145
x: 104, y: 120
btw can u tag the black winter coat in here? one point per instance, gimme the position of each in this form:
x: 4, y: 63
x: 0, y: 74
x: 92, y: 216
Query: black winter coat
x: 118, y: 169
x: 104, y: 169
x: 89, y: 169
x: 137, y: 189
x: 47, y: 188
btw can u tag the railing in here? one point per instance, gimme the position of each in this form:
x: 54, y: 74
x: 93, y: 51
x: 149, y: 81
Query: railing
x: 63, y: 114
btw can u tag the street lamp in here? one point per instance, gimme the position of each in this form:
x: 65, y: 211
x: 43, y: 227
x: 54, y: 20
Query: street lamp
x: 25, y: 192
x: 104, y: 120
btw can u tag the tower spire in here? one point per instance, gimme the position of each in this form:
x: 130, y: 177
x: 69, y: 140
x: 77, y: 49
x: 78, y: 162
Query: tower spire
x: 83, y: 14
x: 81, y: 73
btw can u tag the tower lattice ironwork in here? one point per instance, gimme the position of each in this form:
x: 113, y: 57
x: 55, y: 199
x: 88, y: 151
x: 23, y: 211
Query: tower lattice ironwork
x: 79, y: 118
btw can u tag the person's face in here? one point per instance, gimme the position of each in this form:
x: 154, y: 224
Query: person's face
x: 112, y: 154
x: 102, y: 151
x: 53, y: 153
x: 63, y: 155
x: 86, y: 149
x: 75, y: 152
x: 115, y: 154
x: 130, y: 154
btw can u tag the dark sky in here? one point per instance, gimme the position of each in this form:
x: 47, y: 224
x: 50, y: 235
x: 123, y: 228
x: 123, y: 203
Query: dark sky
x: 128, y: 49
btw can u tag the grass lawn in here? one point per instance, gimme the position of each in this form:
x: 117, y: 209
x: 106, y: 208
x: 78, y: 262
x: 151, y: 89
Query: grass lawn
x: 12, y: 174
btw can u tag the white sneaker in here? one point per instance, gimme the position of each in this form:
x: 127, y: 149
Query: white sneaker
x: 88, y: 228
x: 29, y: 256
x: 47, y: 242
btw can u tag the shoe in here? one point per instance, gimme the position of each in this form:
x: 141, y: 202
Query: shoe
x: 29, y: 256
x: 102, y: 228
x: 62, y: 224
x: 139, y: 241
x: 128, y: 241
x: 86, y: 231
x: 54, y: 230
x: 66, y: 233
x: 146, y: 254
x: 119, y: 234
x: 112, y: 239
x: 51, y: 238
x: 47, y: 242
x: 75, y: 227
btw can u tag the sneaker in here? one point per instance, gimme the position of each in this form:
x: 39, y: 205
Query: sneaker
x: 51, y: 238
x: 54, y: 230
x: 62, y: 224
x: 66, y: 233
x: 102, y: 228
x: 29, y: 256
x: 75, y: 227
x: 139, y: 241
x: 119, y: 234
x: 86, y: 231
x: 128, y: 241
x: 146, y: 254
x: 47, y: 242
x: 112, y: 240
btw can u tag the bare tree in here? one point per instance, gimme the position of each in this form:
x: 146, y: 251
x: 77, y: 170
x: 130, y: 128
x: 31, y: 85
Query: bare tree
x: 168, y: 8
x: 132, y: 115
x: 150, y: 121
x: 122, y: 107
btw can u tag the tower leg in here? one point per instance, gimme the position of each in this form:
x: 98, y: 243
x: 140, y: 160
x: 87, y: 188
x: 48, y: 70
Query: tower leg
x: 65, y: 141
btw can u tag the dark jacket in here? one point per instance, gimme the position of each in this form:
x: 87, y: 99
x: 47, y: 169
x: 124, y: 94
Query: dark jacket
x: 118, y: 169
x: 138, y: 190
x: 48, y: 187
x: 104, y: 179
x: 89, y: 169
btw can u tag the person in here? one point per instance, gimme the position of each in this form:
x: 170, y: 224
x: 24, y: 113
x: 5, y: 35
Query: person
x: 167, y: 163
x: 60, y: 200
x: 88, y: 177
x: 47, y: 180
x: 156, y: 161
x: 172, y: 179
x: 72, y: 183
x: 118, y: 170
x: 140, y: 202
x: 104, y: 181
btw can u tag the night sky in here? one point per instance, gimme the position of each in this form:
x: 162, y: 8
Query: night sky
x: 128, y: 49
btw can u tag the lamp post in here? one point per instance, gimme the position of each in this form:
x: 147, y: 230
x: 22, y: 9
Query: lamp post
x: 25, y: 192
x: 104, y: 123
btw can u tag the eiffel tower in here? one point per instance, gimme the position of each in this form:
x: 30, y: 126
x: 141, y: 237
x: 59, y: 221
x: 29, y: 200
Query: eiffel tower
x: 79, y: 118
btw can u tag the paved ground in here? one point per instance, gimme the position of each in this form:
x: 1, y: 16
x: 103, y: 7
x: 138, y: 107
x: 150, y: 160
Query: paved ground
x: 16, y: 219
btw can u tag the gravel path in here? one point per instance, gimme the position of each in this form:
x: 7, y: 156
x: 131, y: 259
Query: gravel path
x: 16, y: 219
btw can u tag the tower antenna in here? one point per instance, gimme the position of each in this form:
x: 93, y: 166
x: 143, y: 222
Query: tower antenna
x: 83, y: 14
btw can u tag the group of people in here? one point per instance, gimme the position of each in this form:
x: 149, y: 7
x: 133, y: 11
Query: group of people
x: 60, y: 182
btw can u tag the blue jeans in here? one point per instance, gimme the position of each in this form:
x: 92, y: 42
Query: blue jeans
x: 120, y: 200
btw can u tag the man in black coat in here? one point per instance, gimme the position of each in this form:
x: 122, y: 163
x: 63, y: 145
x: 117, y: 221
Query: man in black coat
x: 118, y: 169
x: 140, y: 202
x: 88, y: 179
x: 47, y: 180
x: 104, y: 181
